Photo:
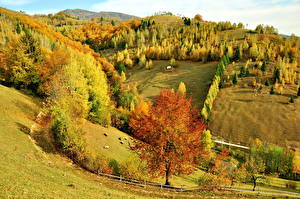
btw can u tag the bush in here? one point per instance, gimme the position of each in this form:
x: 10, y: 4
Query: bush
x: 120, y: 119
x: 134, y: 168
x: 291, y: 185
x: 114, y: 165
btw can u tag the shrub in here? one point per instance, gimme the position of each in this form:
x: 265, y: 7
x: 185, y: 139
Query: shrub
x: 291, y: 185
x: 114, y: 165
x: 134, y: 168
x: 120, y: 119
x: 172, y: 62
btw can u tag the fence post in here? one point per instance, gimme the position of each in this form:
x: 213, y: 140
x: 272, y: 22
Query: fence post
x: 120, y: 178
x: 145, y: 183
x: 161, y: 186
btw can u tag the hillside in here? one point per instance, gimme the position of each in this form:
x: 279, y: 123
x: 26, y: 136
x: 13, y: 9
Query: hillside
x: 112, y: 97
x: 27, y: 171
x: 256, y: 114
x: 85, y: 14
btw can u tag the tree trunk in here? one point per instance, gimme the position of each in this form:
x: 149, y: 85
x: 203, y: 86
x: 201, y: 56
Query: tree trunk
x: 167, y: 175
x: 254, y: 183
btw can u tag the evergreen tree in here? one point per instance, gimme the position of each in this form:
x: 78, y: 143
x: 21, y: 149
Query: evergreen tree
x: 292, y: 100
x: 113, y: 23
x: 277, y: 74
x: 272, y: 91
x: 237, y: 54
x: 264, y: 66
x: 267, y: 83
x: 19, y: 28
x: 235, y: 79
x: 121, y: 68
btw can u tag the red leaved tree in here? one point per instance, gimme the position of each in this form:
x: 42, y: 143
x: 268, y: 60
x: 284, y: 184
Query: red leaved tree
x: 169, y: 134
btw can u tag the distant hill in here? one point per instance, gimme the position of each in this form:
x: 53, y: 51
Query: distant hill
x: 85, y: 14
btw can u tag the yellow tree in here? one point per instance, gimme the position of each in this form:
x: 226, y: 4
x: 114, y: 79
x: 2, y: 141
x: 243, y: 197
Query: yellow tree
x: 181, y: 88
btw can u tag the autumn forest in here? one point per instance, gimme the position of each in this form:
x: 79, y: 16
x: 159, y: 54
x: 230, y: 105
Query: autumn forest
x: 171, y: 100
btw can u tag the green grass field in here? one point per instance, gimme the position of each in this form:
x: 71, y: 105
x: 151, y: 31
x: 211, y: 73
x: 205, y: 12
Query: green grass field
x: 195, y: 75
x: 121, y: 152
x: 28, y: 172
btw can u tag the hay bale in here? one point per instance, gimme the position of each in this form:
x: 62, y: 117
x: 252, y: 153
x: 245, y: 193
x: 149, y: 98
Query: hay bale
x: 106, y: 147
x: 105, y: 134
x: 121, y: 142
x: 120, y: 138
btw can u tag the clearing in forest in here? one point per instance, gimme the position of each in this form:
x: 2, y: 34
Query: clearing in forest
x: 196, y: 76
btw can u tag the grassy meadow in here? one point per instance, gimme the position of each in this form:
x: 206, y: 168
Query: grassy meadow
x: 196, y: 76
x: 28, y: 172
x: 256, y: 115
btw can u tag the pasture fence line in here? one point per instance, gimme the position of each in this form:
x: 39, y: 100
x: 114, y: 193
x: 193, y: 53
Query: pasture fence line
x: 182, y: 188
x: 145, y: 183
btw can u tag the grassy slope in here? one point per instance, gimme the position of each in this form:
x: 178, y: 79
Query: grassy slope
x: 264, y: 116
x: 122, y: 153
x: 96, y: 138
x: 26, y: 171
x: 195, y: 75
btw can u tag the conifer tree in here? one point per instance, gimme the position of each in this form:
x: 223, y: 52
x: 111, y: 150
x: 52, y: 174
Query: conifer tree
x: 272, y: 91
x: 267, y: 83
x: 264, y: 66
x: 235, y: 79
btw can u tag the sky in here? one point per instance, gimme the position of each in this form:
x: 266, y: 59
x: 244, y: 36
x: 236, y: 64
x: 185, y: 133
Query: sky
x: 282, y: 14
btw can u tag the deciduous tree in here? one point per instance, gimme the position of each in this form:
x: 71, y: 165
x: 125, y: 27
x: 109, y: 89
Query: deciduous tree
x: 170, y: 135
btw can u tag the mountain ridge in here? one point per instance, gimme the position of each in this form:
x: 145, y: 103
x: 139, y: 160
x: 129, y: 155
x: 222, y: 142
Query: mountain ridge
x: 86, y: 14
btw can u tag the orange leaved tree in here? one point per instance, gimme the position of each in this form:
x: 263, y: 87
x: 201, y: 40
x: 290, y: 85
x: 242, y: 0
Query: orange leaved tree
x: 169, y: 134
